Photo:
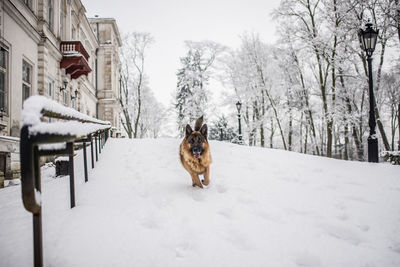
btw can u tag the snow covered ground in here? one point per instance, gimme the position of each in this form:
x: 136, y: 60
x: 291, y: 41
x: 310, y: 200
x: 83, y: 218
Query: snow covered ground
x: 263, y: 207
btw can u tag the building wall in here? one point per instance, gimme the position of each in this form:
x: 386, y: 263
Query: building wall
x: 108, y: 69
x: 19, y: 38
x: 30, y: 35
x: 22, y: 44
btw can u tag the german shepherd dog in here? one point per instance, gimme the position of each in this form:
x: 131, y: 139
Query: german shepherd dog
x: 194, y: 153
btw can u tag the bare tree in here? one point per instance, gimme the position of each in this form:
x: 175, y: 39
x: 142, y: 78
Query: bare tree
x: 132, y: 79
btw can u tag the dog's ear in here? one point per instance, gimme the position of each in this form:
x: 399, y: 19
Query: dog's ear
x: 198, y: 124
x: 204, y: 130
x: 188, y: 130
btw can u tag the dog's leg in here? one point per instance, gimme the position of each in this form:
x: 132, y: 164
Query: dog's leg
x: 206, y: 180
x: 196, y: 180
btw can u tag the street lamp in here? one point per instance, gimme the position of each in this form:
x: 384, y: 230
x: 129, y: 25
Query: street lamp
x: 368, y: 39
x: 239, y: 106
x: 65, y: 82
x: 76, y: 95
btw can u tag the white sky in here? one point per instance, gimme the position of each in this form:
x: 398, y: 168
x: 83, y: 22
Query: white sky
x: 171, y: 22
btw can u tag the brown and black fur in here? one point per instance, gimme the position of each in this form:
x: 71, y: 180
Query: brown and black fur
x: 194, y: 142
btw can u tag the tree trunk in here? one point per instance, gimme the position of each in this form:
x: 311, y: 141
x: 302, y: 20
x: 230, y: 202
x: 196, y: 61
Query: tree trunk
x: 308, y: 111
x: 290, y: 130
x: 322, y: 78
x: 333, y: 89
x: 398, y: 117
x: 305, y: 141
x: 123, y: 90
x: 346, y: 141
x: 139, y: 102
x: 271, y: 137
x: 262, y: 138
x: 290, y: 134
x: 359, y: 149
x: 301, y: 133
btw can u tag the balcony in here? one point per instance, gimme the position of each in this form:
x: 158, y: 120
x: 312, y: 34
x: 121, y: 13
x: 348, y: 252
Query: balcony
x: 75, y: 59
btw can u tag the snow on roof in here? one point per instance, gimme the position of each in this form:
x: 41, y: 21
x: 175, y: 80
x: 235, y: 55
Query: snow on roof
x: 35, y: 107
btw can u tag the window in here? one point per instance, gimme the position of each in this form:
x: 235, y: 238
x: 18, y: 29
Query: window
x: 62, y: 22
x: 51, y: 90
x: 65, y: 97
x: 73, y: 33
x: 63, y: 19
x: 3, y: 78
x: 28, y: 3
x: 26, y: 80
x: 51, y: 14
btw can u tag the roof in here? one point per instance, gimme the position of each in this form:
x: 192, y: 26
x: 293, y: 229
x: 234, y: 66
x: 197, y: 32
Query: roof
x: 111, y: 21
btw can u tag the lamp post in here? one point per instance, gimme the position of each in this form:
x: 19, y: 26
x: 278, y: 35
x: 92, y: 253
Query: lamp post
x: 368, y: 39
x: 65, y: 82
x: 239, y: 106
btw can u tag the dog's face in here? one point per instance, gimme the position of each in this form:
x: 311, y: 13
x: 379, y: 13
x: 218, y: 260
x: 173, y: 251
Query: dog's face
x: 196, y: 140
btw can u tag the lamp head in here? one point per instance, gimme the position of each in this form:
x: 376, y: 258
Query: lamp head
x: 368, y: 38
x: 238, y: 106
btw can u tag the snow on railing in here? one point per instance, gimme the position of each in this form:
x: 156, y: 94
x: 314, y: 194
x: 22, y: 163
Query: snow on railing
x: 40, y: 138
x: 79, y: 124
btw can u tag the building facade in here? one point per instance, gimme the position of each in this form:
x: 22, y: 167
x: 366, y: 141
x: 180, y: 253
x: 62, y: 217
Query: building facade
x: 50, y: 47
x: 108, y: 69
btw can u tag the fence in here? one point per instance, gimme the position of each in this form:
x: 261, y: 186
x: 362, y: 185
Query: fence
x: 55, y: 137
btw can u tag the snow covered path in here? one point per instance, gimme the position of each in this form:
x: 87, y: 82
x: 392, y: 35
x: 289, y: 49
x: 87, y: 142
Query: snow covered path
x: 263, y: 208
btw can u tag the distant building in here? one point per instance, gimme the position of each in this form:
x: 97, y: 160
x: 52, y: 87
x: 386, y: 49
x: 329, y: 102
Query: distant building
x: 51, y: 48
x: 108, y: 66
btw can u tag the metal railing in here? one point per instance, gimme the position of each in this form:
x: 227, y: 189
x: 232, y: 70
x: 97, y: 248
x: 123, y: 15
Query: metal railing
x: 38, y: 139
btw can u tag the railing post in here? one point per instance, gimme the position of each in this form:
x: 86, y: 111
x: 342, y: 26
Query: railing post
x: 70, y: 148
x: 95, y: 142
x: 99, y: 142
x: 37, y: 217
x: 91, y: 149
x: 85, y: 161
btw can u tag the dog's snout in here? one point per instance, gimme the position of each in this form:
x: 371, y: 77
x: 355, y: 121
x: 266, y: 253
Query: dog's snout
x: 196, y: 150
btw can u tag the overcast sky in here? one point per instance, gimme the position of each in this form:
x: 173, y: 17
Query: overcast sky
x: 171, y: 22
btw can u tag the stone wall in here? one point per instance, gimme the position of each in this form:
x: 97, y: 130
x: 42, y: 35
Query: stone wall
x: 9, y: 159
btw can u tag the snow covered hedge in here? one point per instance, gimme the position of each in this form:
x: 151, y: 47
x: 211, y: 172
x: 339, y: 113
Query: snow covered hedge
x: 391, y: 156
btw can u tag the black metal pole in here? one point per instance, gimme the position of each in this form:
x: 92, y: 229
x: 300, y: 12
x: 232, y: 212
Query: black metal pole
x: 240, y: 127
x: 85, y: 162
x: 100, y: 137
x: 70, y: 147
x: 95, y: 142
x: 37, y: 217
x: 372, y: 138
x: 221, y: 136
x: 91, y: 150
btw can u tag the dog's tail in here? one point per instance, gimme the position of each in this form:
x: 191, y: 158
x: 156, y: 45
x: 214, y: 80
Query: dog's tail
x: 198, y: 124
